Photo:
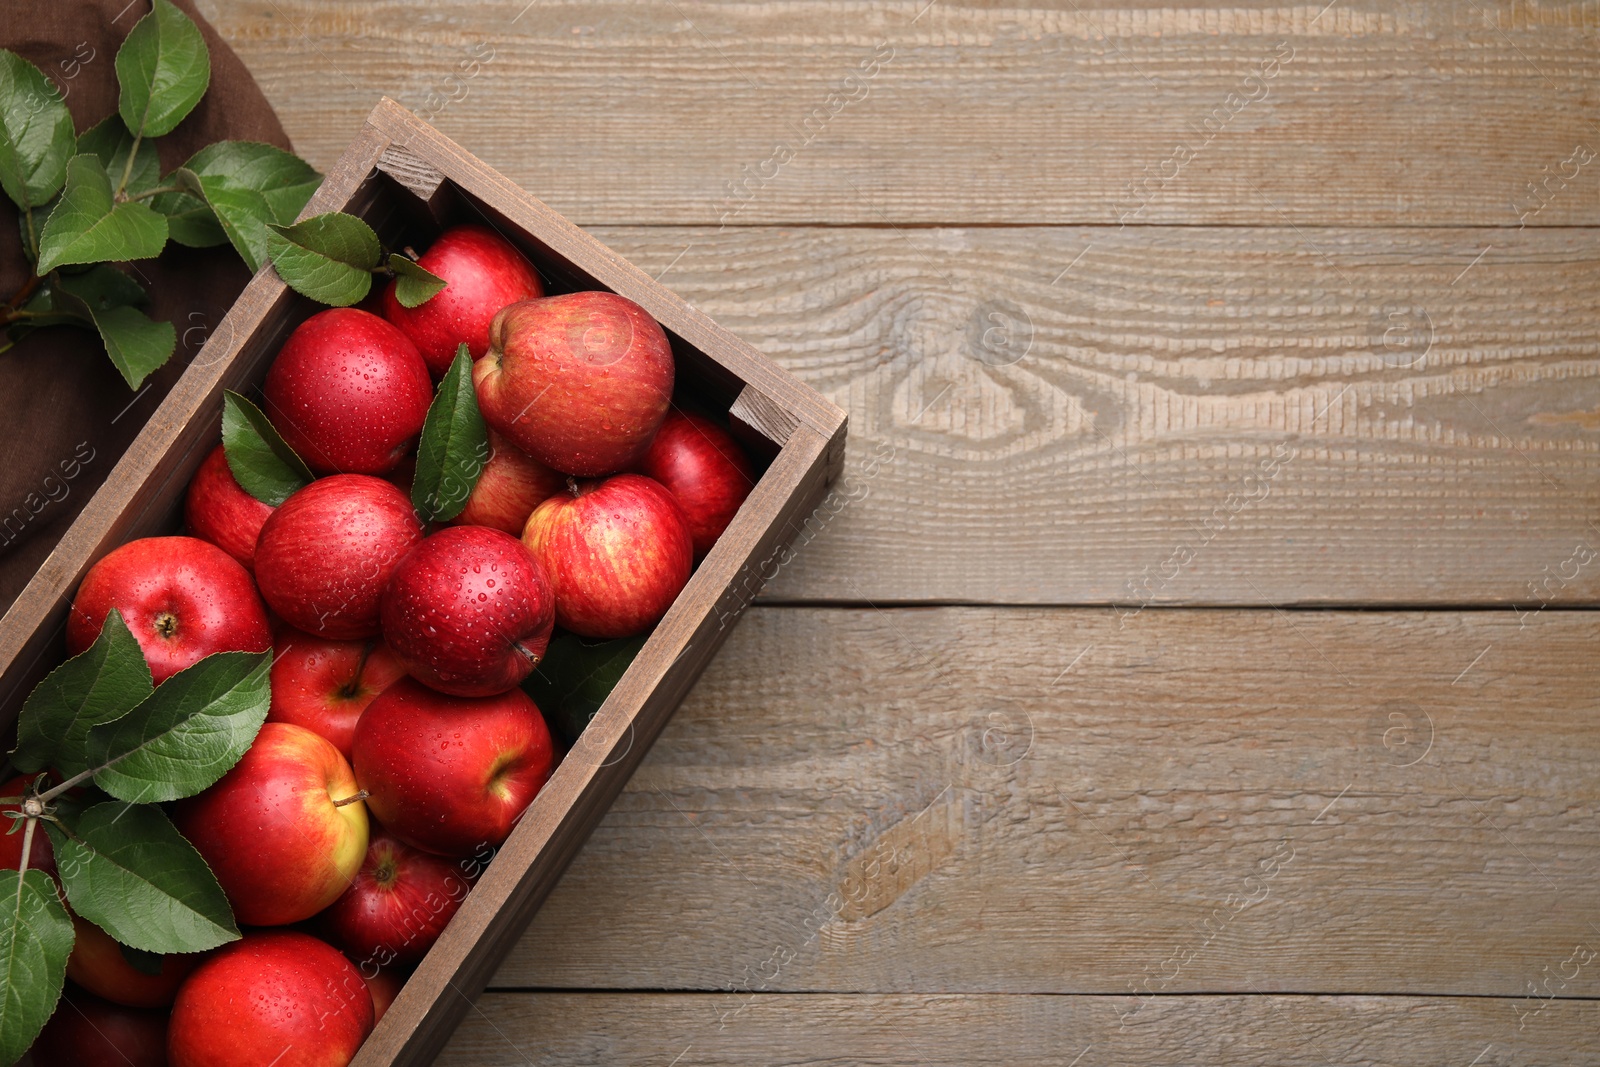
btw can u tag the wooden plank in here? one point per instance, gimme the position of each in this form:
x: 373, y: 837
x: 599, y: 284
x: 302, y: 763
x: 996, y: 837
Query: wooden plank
x: 1070, y: 801
x: 1080, y: 415
x: 839, y: 111
x: 554, y: 1029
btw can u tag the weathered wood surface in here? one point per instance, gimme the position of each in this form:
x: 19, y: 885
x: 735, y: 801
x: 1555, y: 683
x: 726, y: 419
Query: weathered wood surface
x: 580, y: 1030
x: 1370, y: 113
x: 1067, y: 348
x: 1070, y: 801
x: 1181, y: 415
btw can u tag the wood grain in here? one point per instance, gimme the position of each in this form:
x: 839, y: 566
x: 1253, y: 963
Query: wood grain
x: 690, y: 111
x: 555, y: 1029
x: 1081, y: 415
x: 1066, y: 801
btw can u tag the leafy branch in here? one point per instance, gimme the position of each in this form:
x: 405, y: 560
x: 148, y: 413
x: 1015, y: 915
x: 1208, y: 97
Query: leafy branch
x: 88, y: 201
x: 120, y: 746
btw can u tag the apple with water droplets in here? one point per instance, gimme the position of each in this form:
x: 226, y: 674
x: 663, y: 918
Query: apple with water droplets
x: 276, y: 998
x: 218, y: 510
x: 483, y: 273
x: 348, y: 392
x: 469, y: 611
x: 326, y: 554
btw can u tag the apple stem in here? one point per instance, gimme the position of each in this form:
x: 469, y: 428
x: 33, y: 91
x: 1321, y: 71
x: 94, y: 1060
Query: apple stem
x: 361, y: 795
x: 572, y: 485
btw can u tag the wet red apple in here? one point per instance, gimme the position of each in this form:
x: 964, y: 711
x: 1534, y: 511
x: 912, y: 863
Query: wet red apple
x: 484, y: 272
x: 348, y: 392
x: 218, y: 510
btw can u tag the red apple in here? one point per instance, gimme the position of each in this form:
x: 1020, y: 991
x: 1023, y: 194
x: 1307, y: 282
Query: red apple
x: 277, y: 998
x: 384, y: 986
x: 451, y: 774
x: 219, y: 511
x: 86, y: 1031
x: 396, y: 908
x: 618, y: 552
x: 182, y: 598
x: 704, y: 469
x: 511, y: 485
x: 578, y: 381
x: 325, y: 685
x: 327, y: 552
x: 98, y: 965
x: 468, y: 611
x: 41, y: 857
x: 280, y: 830
x: 348, y: 392
x: 484, y: 273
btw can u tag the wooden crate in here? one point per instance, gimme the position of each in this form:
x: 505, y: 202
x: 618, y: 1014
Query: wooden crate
x: 404, y: 177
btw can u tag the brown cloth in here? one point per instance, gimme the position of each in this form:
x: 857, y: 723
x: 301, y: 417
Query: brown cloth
x: 66, y: 415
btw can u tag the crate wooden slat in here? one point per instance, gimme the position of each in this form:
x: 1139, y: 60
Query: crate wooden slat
x: 401, y: 175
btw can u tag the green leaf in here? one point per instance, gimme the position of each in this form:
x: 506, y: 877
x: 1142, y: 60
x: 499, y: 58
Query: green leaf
x: 261, y: 460
x: 135, y: 343
x: 110, y: 142
x: 453, y: 448
x: 99, y: 685
x: 329, y: 258
x: 35, y: 133
x: 35, y: 939
x: 186, y: 734
x: 88, y: 227
x: 126, y: 869
x: 190, y: 220
x: 163, y: 68
x: 413, y: 284
x: 575, y: 677
x: 247, y: 186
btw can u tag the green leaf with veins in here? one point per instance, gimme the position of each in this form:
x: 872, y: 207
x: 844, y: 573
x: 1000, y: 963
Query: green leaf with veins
x: 129, y: 871
x: 186, y: 734
x: 35, y: 133
x: 414, y: 284
x: 87, y: 226
x: 329, y: 258
x: 163, y: 68
x: 136, y: 344
x: 247, y: 186
x: 35, y: 940
x: 98, y: 685
x: 190, y: 220
x: 110, y: 142
x: 454, y: 445
x: 261, y: 460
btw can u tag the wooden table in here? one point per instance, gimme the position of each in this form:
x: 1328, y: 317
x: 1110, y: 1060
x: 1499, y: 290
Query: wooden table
x: 1188, y: 668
